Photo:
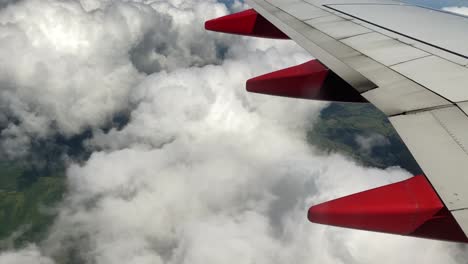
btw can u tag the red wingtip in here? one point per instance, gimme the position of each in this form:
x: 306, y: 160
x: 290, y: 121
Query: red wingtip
x: 310, y: 80
x: 410, y: 207
x: 247, y: 23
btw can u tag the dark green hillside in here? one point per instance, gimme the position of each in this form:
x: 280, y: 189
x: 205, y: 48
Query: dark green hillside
x: 27, y: 197
x: 340, y: 124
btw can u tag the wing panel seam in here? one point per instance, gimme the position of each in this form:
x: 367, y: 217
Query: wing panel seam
x: 444, y: 126
x: 399, y: 33
x: 430, y: 54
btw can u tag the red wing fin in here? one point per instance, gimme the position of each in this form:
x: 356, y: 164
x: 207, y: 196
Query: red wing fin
x: 310, y: 80
x: 247, y: 23
x: 410, y: 207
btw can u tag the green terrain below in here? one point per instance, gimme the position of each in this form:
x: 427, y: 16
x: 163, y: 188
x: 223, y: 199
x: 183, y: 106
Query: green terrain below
x: 339, y: 125
x: 27, y: 200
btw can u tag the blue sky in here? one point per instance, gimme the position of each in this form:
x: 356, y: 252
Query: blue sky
x: 439, y: 4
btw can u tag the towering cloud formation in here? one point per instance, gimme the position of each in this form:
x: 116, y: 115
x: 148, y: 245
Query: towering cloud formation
x: 69, y: 66
x: 202, y: 172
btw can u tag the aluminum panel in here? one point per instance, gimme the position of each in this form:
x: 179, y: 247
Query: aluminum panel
x: 374, y: 71
x: 444, y: 54
x: 456, y: 123
x: 279, y: 3
x: 303, y: 10
x: 446, y: 31
x: 441, y: 76
x: 324, y: 19
x: 462, y: 219
x: 341, y: 29
x: 338, y: 49
x: 384, y: 49
x: 438, y: 140
x: 463, y: 106
x: 425, y: 47
x: 385, y: 32
x: 405, y: 40
x: 403, y: 96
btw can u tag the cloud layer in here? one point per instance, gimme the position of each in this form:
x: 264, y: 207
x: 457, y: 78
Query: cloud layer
x: 202, y: 172
x: 69, y: 66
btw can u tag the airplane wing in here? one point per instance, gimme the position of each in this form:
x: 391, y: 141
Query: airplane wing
x: 411, y: 63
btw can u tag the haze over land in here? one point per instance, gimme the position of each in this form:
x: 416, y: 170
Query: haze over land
x: 127, y: 137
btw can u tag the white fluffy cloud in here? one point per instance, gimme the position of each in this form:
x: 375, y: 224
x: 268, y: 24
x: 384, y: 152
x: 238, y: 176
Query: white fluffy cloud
x: 462, y: 10
x: 66, y: 68
x: 367, y: 142
x: 203, y: 172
